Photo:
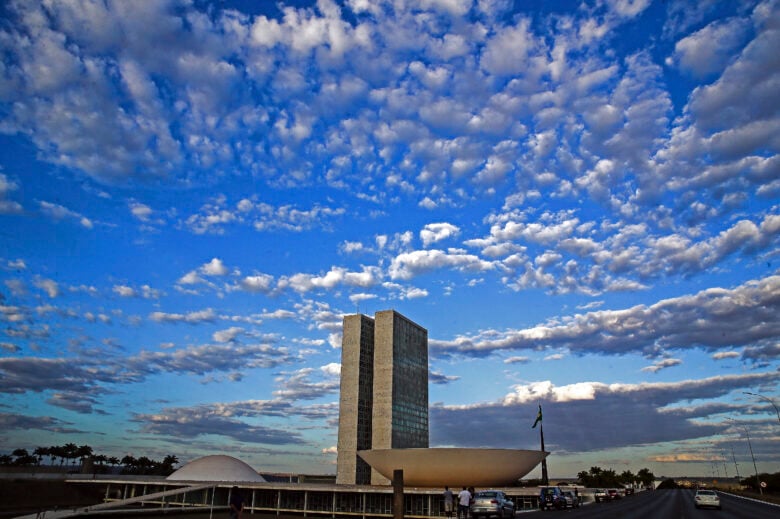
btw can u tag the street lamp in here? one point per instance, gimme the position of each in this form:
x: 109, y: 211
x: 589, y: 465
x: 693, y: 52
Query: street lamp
x: 762, y: 397
x: 750, y: 446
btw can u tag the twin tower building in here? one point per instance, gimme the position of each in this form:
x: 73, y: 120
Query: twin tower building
x: 383, y: 401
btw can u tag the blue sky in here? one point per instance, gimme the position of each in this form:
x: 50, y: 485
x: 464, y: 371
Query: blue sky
x: 578, y: 200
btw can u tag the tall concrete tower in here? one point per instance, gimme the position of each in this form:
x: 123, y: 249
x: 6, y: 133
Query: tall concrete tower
x: 383, y: 400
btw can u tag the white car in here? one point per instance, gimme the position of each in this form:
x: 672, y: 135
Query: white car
x: 706, y: 498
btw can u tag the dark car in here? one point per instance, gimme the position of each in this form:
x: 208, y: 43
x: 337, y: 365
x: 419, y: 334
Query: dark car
x: 551, y: 497
x: 572, y: 501
x: 613, y: 494
x: 492, y: 502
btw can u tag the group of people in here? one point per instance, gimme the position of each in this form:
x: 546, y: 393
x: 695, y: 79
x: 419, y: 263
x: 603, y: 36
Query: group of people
x: 464, y: 499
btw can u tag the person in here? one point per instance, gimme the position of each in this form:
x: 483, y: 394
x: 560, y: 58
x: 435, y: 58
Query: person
x: 236, y: 503
x: 464, y: 499
x: 449, y: 502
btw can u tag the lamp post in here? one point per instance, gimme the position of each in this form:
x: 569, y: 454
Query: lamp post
x: 762, y: 397
x: 750, y: 446
x: 736, y: 467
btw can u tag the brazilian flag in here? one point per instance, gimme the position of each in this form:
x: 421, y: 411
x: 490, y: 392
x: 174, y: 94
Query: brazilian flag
x: 538, y: 417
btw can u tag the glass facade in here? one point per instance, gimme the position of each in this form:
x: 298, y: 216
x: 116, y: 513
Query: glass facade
x: 410, y: 385
x: 384, y: 390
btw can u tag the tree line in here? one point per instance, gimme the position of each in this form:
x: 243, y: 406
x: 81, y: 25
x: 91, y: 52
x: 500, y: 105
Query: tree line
x: 597, y: 477
x: 71, y: 456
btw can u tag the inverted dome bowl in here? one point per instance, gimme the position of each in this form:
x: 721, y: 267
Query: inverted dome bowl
x: 454, y: 467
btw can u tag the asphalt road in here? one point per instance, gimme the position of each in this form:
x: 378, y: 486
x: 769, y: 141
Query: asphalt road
x: 666, y: 504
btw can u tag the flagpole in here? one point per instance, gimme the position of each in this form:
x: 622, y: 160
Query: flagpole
x: 545, y: 479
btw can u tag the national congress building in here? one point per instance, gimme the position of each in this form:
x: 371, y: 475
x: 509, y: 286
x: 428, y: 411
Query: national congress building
x: 383, y: 400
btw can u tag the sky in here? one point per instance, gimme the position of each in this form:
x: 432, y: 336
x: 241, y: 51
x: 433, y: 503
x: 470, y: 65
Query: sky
x: 580, y: 201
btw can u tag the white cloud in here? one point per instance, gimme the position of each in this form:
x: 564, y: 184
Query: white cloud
x: 408, y: 265
x: 141, y: 211
x: 662, y: 364
x: 701, y: 320
x: 333, y: 369
x: 517, y: 360
x: 124, y: 291
x: 49, y: 286
x: 435, y: 232
x: 228, y: 335
x: 337, y: 276
x: 257, y: 283
x: 207, y: 315
x: 215, y: 267
x: 59, y: 212
x: 709, y: 49
x: 8, y: 206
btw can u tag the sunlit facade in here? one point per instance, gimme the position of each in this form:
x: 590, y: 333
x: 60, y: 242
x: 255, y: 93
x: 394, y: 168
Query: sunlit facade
x: 384, y: 391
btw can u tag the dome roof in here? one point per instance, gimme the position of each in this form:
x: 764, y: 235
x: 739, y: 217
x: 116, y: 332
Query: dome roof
x: 454, y: 466
x: 216, y: 468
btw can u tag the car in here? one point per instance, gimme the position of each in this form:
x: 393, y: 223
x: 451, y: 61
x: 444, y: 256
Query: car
x: 613, y: 494
x: 629, y: 491
x: 492, y: 502
x: 706, y: 498
x: 600, y: 495
x: 572, y: 501
x: 551, y: 497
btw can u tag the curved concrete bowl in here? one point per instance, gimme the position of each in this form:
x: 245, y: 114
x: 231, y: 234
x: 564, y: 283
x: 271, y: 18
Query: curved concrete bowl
x: 454, y: 467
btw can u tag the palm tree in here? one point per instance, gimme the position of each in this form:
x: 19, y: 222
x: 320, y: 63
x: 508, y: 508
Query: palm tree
x: 168, y: 463
x: 130, y: 463
x: 20, y: 453
x: 40, y: 452
x: 84, y: 452
x: 54, y: 453
x: 645, y: 477
x: 69, y: 451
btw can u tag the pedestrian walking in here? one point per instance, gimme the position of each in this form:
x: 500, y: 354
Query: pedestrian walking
x: 464, y: 499
x: 449, y: 502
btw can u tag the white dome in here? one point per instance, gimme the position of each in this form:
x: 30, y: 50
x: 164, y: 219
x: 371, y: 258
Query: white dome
x: 216, y: 468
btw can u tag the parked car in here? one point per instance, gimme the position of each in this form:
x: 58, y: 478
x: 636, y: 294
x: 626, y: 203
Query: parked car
x: 629, y: 491
x: 572, y: 501
x: 706, y: 498
x: 551, y: 497
x: 613, y: 494
x: 492, y: 502
x: 600, y: 495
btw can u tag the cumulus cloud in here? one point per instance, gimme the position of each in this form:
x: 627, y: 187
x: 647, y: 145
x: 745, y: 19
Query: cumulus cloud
x: 8, y: 206
x: 337, y: 276
x: 59, y: 212
x: 215, y: 267
x: 649, y: 413
x: 228, y: 335
x: 257, y: 283
x: 709, y: 49
x: 207, y: 315
x: 300, y: 385
x: 434, y: 232
x: 218, y: 420
x: 49, y: 286
x: 662, y: 364
x: 704, y: 320
x: 408, y: 265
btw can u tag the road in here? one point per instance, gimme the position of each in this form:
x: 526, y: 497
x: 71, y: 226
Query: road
x: 666, y: 504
